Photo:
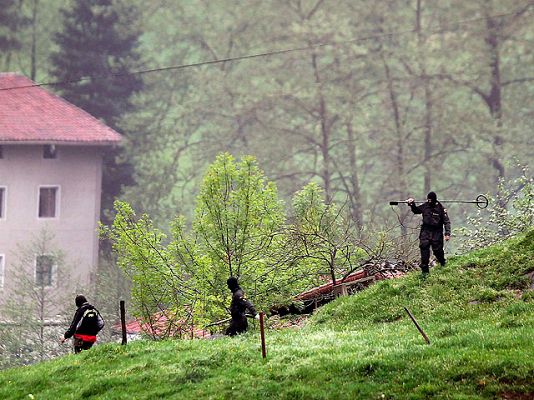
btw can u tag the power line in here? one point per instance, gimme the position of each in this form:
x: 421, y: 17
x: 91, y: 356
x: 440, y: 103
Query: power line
x: 266, y: 54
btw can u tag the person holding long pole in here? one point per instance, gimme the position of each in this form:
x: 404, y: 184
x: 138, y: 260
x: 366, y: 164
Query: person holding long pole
x: 435, y: 219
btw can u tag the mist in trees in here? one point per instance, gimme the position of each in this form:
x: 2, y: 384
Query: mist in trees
x: 373, y: 101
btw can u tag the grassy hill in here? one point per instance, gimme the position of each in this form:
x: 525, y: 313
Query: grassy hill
x: 478, y: 312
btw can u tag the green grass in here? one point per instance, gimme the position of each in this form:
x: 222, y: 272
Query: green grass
x: 477, y: 311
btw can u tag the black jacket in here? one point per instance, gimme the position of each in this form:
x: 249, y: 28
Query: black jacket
x: 435, y: 217
x: 81, y: 326
x: 240, y: 305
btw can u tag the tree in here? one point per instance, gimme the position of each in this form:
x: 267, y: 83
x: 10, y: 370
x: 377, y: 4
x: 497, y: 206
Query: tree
x: 98, y: 48
x: 10, y: 22
x: 238, y: 214
x: 324, y: 234
x: 510, y: 213
x: 237, y: 231
x: 37, y: 310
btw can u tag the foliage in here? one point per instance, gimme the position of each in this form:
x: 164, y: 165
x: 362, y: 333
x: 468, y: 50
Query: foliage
x: 33, y: 316
x: 99, y: 37
x: 370, y: 119
x: 159, y: 284
x: 9, y: 23
x: 323, y: 233
x: 238, y: 215
x: 510, y: 213
x: 362, y: 346
x: 237, y: 231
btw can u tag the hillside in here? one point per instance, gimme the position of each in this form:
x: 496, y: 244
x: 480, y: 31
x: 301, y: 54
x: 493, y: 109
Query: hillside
x: 478, y: 312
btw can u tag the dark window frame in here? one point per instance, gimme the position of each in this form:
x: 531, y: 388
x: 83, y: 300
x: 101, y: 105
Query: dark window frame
x: 2, y: 269
x: 3, y: 202
x: 44, y: 272
x: 48, y: 208
x: 50, y: 152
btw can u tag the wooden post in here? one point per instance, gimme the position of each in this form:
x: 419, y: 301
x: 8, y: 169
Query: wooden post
x: 427, y: 340
x: 262, y: 334
x: 123, y: 323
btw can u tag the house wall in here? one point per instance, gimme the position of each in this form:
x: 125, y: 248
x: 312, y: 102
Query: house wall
x: 77, y: 171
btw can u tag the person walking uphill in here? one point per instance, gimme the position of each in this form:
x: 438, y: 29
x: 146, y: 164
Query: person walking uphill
x: 238, y: 307
x: 85, y: 325
x: 435, y: 218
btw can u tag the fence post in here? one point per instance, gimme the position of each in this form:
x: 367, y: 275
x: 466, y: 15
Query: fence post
x: 262, y: 334
x: 123, y: 323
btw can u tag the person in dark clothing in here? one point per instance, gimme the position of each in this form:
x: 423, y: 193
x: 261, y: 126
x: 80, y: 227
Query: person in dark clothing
x: 85, y: 325
x: 435, y: 218
x: 238, y: 307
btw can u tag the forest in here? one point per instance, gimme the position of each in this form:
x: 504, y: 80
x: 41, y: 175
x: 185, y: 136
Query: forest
x: 359, y: 102
x: 372, y: 100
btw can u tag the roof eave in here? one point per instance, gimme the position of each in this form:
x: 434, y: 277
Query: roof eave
x: 61, y: 142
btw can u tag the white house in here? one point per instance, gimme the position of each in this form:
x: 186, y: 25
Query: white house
x: 50, y: 178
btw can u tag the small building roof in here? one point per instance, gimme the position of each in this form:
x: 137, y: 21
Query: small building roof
x: 30, y: 114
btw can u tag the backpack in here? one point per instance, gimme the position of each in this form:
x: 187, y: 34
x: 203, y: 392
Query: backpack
x: 91, y: 322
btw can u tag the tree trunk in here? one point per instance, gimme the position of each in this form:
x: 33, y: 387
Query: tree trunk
x: 34, y: 41
x: 354, y: 195
x: 427, y: 161
x: 494, y: 99
x: 325, y: 134
x: 399, y: 144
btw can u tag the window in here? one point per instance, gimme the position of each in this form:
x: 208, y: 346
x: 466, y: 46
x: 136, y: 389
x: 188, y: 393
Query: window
x: 48, y: 201
x: 49, y: 151
x: 2, y: 202
x: 1, y: 151
x: 44, y: 267
x: 2, y: 262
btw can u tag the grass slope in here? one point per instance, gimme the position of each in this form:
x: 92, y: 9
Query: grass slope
x: 477, y: 311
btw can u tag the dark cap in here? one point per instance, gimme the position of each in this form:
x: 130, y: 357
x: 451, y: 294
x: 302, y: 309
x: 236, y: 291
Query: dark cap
x: 80, y: 299
x: 232, y: 283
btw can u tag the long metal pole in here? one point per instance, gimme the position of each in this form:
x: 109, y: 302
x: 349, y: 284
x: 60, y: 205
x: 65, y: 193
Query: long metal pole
x: 481, y: 201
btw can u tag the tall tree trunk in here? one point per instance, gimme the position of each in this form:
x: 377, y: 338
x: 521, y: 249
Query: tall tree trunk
x: 354, y: 194
x: 325, y: 134
x: 399, y: 144
x: 34, y: 40
x: 427, y: 158
x: 494, y: 99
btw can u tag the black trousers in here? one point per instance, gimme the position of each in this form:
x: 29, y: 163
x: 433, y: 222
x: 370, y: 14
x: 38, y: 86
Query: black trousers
x: 237, y: 325
x: 431, y: 239
x: 80, y: 345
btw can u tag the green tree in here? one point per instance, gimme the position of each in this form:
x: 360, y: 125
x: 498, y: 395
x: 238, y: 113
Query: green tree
x: 162, y: 276
x: 511, y: 213
x: 323, y: 233
x: 238, y: 230
x: 10, y: 22
x: 37, y: 310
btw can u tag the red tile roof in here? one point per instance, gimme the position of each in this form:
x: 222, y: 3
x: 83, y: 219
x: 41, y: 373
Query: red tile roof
x: 161, y: 327
x: 34, y: 115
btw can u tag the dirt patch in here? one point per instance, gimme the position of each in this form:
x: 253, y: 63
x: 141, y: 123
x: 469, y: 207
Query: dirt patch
x: 297, y: 322
x: 517, y: 396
